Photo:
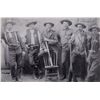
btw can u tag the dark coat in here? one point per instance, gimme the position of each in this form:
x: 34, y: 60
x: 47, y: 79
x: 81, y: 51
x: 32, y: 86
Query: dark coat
x: 28, y: 37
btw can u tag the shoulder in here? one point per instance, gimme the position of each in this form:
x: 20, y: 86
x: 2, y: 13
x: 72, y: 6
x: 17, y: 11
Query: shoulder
x: 43, y: 32
x: 17, y: 33
x: 36, y: 29
x: 58, y: 34
x: 85, y: 34
x: 3, y: 35
x: 76, y: 31
x: 89, y: 36
x: 71, y: 30
x: 27, y: 31
x: 53, y: 31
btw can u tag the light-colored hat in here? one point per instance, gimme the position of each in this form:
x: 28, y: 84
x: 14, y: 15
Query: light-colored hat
x: 83, y: 25
x: 65, y: 20
x: 10, y: 22
x: 49, y: 23
x: 94, y: 26
x: 30, y: 23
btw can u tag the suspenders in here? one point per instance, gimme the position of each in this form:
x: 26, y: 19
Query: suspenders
x: 16, y: 37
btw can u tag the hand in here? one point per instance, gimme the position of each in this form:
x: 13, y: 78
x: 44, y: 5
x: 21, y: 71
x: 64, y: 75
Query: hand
x: 45, y: 50
x: 91, y: 51
x: 27, y: 46
x: 23, y: 53
x: 70, y: 41
x: 46, y: 39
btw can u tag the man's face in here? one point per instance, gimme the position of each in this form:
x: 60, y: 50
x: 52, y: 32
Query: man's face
x: 32, y: 26
x: 48, y: 26
x: 65, y: 24
x: 9, y: 26
x: 94, y: 30
x: 80, y: 27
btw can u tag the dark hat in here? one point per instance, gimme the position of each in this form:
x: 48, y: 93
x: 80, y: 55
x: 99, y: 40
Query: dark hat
x: 94, y: 26
x: 49, y: 23
x: 10, y: 22
x: 84, y: 26
x: 69, y: 22
x: 34, y: 23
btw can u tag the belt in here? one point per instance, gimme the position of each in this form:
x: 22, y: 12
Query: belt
x: 13, y: 47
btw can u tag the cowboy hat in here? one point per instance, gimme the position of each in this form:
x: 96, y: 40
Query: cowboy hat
x: 10, y: 22
x: 94, y: 26
x: 49, y: 23
x: 69, y: 22
x: 83, y: 25
x: 30, y: 23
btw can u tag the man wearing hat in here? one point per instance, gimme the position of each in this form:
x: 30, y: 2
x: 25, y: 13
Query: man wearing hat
x: 33, y: 45
x: 66, y: 34
x: 79, y: 44
x: 15, y: 47
x: 94, y: 55
x: 52, y: 38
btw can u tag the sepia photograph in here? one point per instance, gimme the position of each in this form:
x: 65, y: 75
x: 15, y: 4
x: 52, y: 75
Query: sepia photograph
x: 39, y: 49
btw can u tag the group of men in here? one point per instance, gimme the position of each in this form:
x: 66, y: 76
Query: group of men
x: 77, y: 52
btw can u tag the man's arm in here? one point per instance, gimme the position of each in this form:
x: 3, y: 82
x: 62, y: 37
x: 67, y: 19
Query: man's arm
x: 3, y: 37
x: 22, y: 44
x: 52, y: 40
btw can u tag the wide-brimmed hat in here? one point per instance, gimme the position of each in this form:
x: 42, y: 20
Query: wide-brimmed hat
x: 10, y: 22
x: 30, y: 23
x: 83, y: 25
x: 94, y: 26
x: 65, y: 20
x: 49, y: 23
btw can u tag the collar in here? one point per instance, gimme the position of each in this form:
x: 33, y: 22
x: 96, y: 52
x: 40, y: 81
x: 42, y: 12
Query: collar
x: 29, y: 30
x: 49, y: 30
x: 80, y: 30
x: 66, y: 29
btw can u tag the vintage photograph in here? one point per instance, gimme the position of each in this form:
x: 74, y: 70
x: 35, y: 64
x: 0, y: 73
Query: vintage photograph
x: 50, y: 49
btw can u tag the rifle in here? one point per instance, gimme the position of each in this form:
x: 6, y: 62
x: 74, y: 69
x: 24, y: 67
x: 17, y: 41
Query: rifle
x: 50, y: 59
x: 70, y: 75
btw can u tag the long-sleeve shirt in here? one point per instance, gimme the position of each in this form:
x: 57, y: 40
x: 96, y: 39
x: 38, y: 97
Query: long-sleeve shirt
x: 79, y: 39
x: 65, y: 37
x: 94, y: 66
x: 13, y: 40
x: 52, y: 36
x: 94, y: 41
